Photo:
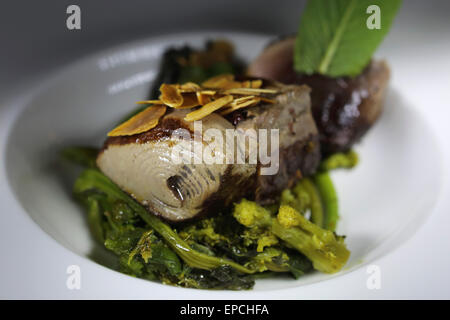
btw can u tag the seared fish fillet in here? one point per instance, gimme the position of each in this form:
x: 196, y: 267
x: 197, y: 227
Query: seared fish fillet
x: 142, y: 164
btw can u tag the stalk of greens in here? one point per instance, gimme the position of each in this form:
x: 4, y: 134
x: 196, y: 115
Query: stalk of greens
x: 333, y: 37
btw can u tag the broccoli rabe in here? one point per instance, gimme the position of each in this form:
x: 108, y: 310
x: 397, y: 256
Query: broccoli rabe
x: 329, y: 198
x: 305, y: 197
x: 297, y: 198
x: 256, y: 217
x: 251, y: 214
x: 270, y: 259
x: 277, y: 259
x: 346, y: 160
x: 202, y: 231
x: 327, y: 251
x: 258, y: 249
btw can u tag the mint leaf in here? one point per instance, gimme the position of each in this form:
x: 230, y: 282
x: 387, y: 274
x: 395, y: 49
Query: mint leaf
x: 333, y: 37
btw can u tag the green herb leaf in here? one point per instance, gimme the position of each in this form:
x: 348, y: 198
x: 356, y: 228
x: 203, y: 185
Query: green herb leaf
x: 334, y: 38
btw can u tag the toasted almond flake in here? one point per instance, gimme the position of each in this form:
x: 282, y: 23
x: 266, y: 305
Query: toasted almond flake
x: 252, y: 84
x: 208, y: 92
x: 241, y: 100
x: 247, y: 91
x: 203, y: 98
x: 232, y: 85
x: 208, y: 108
x: 267, y: 100
x: 189, y: 87
x: 190, y: 100
x: 256, y: 84
x: 215, y: 93
x: 170, y: 95
x: 141, y: 122
x: 150, y: 102
x: 246, y: 84
x: 244, y: 104
x: 218, y: 82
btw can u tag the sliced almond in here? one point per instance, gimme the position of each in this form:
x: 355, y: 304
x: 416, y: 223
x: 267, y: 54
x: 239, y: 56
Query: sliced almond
x: 249, y: 91
x: 241, y: 100
x: 218, y: 82
x: 246, y: 84
x: 170, y: 95
x: 208, y: 108
x: 141, y: 122
x: 203, y: 98
x: 248, y: 103
x: 150, y: 102
x: 189, y: 87
x: 190, y: 100
x: 208, y: 92
x: 267, y: 100
x: 256, y: 84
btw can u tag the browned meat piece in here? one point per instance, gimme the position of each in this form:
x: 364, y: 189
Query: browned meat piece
x: 344, y: 108
x: 299, y: 152
x: 142, y: 164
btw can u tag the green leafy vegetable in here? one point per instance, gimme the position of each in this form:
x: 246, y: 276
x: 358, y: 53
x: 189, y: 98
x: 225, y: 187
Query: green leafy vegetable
x: 184, y: 64
x: 224, y: 277
x: 333, y: 37
x: 326, y: 250
x: 255, y: 248
x: 95, y: 219
x: 315, y: 205
x: 329, y: 199
x: 339, y: 160
x: 297, y: 198
x: 326, y: 188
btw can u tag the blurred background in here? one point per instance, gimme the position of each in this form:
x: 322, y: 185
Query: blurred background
x: 34, y: 37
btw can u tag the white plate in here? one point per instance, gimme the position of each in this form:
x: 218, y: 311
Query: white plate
x: 383, y: 201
